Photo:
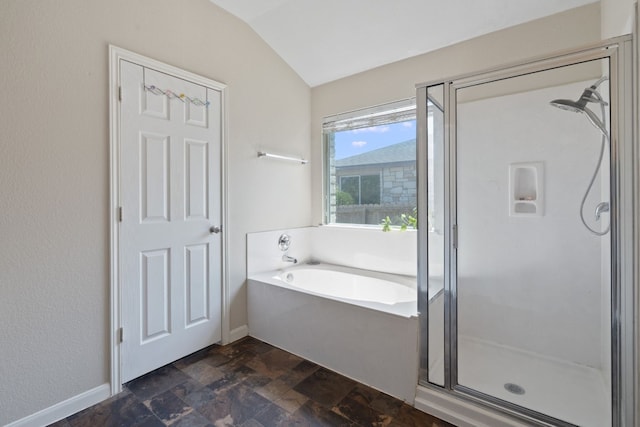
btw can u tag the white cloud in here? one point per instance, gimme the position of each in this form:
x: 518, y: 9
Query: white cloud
x: 359, y: 143
x: 374, y: 129
x: 407, y: 124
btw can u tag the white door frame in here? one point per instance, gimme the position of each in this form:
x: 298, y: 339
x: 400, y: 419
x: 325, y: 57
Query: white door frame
x: 117, y: 54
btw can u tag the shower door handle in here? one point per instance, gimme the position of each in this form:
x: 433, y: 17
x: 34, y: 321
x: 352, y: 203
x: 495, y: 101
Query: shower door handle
x: 454, y: 236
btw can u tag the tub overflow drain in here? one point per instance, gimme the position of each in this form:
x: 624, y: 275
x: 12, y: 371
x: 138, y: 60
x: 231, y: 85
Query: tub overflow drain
x: 514, y: 388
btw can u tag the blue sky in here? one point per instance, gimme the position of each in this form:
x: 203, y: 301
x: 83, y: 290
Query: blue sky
x: 358, y: 141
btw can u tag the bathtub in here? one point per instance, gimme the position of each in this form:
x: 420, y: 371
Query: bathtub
x: 379, y: 291
x: 359, y: 323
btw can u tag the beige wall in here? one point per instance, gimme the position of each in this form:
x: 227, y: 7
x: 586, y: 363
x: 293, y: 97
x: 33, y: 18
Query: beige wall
x: 617, y: 17
x: 397, y: 81
x: 54, y: 171
x: 54, y: 167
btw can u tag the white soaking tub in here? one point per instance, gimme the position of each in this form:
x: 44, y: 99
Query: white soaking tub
x: 359, y: 323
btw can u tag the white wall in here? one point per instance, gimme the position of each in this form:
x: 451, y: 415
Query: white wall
x: 529, y: 282
x: 54, y: 157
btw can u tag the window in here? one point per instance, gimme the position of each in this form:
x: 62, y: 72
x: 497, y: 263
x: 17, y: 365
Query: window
x: 370, y: 165
x: 359, y: 190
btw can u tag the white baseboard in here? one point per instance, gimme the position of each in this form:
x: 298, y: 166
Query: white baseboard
x: 237, y: 333
x: 65, y: 408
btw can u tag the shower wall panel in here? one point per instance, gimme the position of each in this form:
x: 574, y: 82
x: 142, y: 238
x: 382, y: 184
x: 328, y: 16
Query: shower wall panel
x: 529, y: 274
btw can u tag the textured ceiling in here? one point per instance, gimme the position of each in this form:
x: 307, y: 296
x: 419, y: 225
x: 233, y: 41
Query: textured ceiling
x: 324, y: 40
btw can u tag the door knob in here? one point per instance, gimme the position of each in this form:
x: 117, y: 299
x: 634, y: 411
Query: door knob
x: 215, y: 230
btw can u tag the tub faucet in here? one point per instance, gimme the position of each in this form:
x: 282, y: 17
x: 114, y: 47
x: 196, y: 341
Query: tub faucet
x: 287, y: 258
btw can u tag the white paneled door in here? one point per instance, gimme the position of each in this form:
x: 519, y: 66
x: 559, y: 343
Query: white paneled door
x: 170, y: 240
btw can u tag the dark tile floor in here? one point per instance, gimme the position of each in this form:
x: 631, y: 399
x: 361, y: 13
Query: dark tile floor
x: 251, y: 384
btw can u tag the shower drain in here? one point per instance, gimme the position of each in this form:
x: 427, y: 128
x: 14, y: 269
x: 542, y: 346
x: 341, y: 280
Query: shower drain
x: 514, y: 388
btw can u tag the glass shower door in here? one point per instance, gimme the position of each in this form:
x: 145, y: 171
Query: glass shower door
x: 532, y: 321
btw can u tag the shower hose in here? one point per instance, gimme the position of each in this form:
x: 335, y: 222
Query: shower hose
x: 605, y: 139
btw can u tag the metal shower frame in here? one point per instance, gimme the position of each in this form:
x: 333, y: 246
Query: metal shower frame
x: 625, y: 233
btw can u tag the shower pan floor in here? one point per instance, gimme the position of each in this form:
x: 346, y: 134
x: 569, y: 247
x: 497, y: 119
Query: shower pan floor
x: 567, y: 391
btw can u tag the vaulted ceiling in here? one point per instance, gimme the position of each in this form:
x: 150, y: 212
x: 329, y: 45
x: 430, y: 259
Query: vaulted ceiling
x: 324, y: 40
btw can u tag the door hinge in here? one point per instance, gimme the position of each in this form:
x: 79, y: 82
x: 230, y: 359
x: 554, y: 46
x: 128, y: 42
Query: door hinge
x: 120, y: 214
x: 119, y: 93
x: 455, y: 237
x: 120, y: 335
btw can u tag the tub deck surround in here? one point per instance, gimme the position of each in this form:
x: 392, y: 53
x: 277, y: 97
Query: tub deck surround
x: 264, y: 254
x: 332, y: 280
x: 388, y: 293
x: 374, y: 347
x: 370, y: 338
x: 358, y: 247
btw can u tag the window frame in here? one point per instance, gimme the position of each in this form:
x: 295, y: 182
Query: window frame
x: 388, y: 113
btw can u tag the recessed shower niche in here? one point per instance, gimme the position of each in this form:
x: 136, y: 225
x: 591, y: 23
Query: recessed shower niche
x: 526, y: 189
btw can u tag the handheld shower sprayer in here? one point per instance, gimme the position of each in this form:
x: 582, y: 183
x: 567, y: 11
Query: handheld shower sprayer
x: 590, y: 95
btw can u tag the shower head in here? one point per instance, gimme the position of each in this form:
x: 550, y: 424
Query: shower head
x: 575, y: 106
x: 590, y: 94
x: 579, y: 106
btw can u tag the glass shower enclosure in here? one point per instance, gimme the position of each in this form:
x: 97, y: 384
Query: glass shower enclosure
x: 521, y: 281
